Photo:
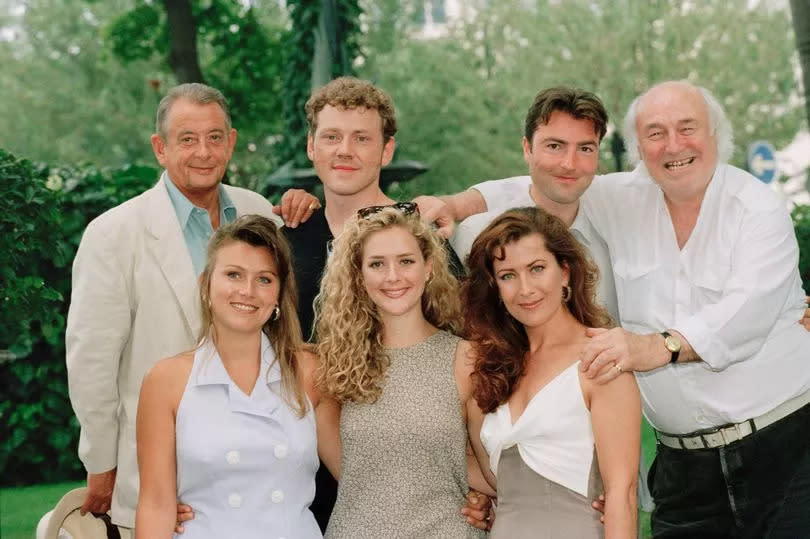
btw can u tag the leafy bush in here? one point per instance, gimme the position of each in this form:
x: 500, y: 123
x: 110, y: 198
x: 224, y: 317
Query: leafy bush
x: 801, y: 222
x: 44, y: 211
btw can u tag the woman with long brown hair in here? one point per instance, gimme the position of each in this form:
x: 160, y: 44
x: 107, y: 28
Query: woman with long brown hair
x: 551, y: 437
x: 229, y: 427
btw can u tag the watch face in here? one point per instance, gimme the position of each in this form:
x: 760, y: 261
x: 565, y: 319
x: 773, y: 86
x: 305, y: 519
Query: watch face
x: 673, y: 344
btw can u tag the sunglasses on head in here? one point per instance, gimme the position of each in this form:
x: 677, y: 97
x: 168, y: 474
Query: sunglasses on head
x: 406, y: 208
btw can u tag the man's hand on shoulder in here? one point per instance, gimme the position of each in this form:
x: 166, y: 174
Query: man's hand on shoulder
x: 296, y: 207
x: 99, y: 492
x: 433, y: 209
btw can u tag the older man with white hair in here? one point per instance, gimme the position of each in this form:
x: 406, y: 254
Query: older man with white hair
x: 705, y: 263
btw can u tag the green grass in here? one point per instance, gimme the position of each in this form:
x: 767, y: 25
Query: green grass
x: 648, y: 450
x: 22, y: 507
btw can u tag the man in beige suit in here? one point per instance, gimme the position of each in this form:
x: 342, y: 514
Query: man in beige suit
x: 135, y: 298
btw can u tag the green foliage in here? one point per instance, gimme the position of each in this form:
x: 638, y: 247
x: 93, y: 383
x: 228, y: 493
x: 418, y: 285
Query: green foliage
x: 462, y: 90
x: 44, y: 212
x: 801, y: 223
x: 299, y: 48
x: 30, y: 216
x: 137, y: 34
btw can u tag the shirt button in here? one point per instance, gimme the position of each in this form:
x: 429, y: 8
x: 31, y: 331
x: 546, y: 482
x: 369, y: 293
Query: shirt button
x: 280, y: 451
x: 235, y: 500
x: 232, y: 457
x: 277, y: 496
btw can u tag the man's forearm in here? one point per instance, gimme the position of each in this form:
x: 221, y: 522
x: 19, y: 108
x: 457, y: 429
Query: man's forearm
x: 465, y: 203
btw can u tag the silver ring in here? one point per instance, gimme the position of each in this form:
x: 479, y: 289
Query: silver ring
x: 618, y: 368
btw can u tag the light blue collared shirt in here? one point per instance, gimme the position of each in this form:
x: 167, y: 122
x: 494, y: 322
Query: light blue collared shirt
x: 196, y: 223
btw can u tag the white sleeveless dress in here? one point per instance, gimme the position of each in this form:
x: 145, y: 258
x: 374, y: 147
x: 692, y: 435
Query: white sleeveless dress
x: 245, y: 464
x: 545, y: 465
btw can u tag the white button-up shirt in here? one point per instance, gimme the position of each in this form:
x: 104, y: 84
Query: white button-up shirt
x: 502, y: 195
x: 733, y: 292
x: 230, y: 447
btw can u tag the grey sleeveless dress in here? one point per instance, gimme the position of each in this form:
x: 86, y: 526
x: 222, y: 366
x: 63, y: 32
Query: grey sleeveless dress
x: 403, y: 469
x: 533, y: 507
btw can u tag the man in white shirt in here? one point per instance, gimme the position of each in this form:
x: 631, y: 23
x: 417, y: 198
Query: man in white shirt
x: 562, y: 132
x: 705, y: 263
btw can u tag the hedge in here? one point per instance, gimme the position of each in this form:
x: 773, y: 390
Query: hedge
x: 44, y: 211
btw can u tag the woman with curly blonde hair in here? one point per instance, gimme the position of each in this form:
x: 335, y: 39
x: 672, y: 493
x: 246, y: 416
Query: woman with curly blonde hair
x: 384, y: 318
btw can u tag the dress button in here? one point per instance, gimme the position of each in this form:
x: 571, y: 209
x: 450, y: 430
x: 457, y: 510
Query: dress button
x: 235, y: 500
x: 232, y: 457
x: 280, y: 451
x: 277, y: 496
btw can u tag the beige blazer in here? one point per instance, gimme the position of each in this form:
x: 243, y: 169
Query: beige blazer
x: 134, y: 301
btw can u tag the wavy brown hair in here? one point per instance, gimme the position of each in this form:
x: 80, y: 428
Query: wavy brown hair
x: 285, y: 332
x: 348, y: 93
x: 348, y: 328
x: 499, y: 341
x: 575, y: 102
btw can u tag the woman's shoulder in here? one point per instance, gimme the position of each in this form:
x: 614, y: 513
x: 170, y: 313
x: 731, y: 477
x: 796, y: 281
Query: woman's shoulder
x: 176, y: 367
x: 168, y: 377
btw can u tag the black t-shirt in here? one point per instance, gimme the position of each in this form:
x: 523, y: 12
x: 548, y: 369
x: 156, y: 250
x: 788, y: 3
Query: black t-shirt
x: 309, y: 242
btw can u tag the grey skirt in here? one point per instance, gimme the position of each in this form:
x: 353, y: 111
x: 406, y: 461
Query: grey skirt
x: 532, y: 507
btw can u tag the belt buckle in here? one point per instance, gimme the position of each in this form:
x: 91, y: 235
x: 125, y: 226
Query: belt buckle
x: 730, y: 434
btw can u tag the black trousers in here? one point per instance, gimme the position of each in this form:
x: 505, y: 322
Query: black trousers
x: 757, y: 487
x: 325, y: 496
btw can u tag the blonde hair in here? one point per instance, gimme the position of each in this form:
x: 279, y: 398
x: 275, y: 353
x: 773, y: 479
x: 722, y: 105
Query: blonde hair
x: 285, y: 332
x: 348, y: 327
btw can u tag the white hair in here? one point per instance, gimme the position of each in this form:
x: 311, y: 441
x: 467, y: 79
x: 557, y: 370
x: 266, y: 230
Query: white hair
x: 718, y: 121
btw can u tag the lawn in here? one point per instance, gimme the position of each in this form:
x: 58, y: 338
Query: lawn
x: 22, y: 507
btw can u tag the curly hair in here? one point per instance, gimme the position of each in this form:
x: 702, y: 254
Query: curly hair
x: 353, y: 361
x: 350, y: 93
x: 499, y: 340
x: 285, y: 332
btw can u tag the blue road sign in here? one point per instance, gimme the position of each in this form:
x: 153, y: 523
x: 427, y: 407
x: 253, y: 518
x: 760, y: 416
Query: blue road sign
x: 762, y: 161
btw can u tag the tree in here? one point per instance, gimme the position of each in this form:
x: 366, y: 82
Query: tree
x: 461, y: 98
x: 801, y: 27
x: 182, y: 29
x: 322, y: 44
x: 65, y: 98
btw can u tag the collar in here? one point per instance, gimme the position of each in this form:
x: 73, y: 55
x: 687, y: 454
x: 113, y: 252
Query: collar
x: 183, y: 206
x: 212, y: 371
x: 582, y: 224
x: 263, y: 401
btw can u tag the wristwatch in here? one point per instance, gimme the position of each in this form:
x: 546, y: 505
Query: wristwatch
x: 673, y: 344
